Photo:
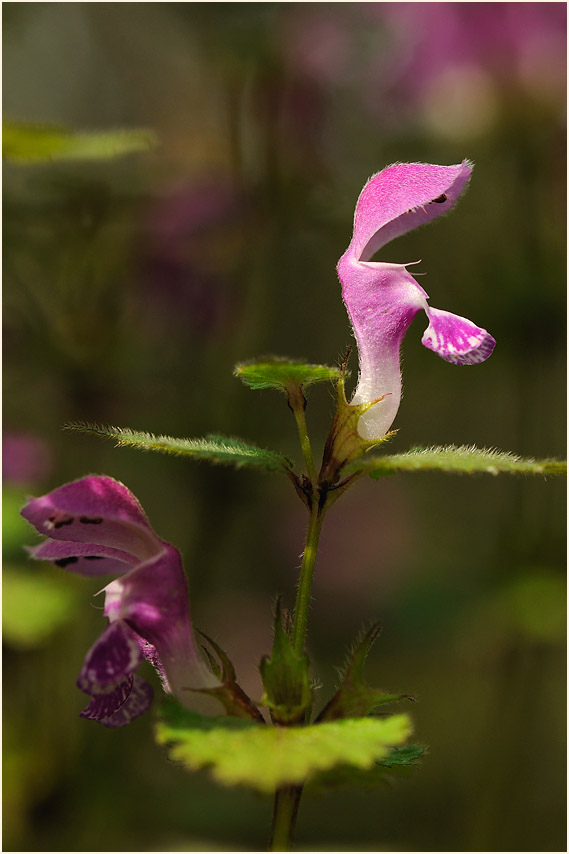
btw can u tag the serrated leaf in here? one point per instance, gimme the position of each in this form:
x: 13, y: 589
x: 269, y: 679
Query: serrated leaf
x: 25, y: 142
x: 399, y: 762
x: 283, y: 374
x: 459, y: 460
x: 239, y: 753
x: 405, y: 756
x: 355, y: 697
x: 222, y: 450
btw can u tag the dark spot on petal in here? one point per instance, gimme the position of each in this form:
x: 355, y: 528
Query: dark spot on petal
x: 439, y: 200
x: 86, y: 520
x: 61, y: 522
x: 65, y: 561
x: 93, y: 557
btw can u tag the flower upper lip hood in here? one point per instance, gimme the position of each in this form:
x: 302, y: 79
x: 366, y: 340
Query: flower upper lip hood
x: 402, y: 197
x: 95, y: 526
x: 382, y: 299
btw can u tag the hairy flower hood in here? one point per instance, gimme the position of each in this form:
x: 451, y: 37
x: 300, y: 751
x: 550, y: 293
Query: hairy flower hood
x: 382, y: 298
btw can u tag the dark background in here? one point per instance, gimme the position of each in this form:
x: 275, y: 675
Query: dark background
x: 131, y: 289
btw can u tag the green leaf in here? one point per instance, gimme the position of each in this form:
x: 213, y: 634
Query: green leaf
x: 33, y: 606
x: 25, y: 142
x: 238, y: 752
x: 355, y: 697
x: 283, y: 374
x: 459, y: 460
x: 399, y: 762
x: 229, y: 693
x: 405, y: 756
x: 221, y: 450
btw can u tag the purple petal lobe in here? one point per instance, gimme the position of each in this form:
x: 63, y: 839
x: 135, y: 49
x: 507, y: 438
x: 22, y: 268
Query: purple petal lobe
x: 98, y: 510
x: 113, y: 658
x: 83, y: 558
x: 137, y: 703
x: 402, y: 197
x: 102, y: 706
x: 456, y: 339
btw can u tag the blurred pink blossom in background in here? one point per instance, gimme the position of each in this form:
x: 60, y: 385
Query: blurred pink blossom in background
x: 191, y: 244
x: 444, y: 66
x: 26, y: 459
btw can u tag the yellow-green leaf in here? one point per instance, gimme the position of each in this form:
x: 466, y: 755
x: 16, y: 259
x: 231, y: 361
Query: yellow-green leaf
x: 239, y: 753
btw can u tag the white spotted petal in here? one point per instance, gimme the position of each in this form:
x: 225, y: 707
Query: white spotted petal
x: 456, y: 339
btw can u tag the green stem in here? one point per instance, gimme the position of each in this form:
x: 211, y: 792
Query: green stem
x: 287, y: 798
x: 304, y: 591
x: 284, y: 817
x: 297, y: 403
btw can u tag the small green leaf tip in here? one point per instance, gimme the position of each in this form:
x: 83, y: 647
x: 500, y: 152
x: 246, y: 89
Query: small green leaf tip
x: 222, y: 450
x: 25, y: 142
x: 403, y: 756
x: 354, y: 696
x: 229, y: 693
x: 458, y: 460
x: 399, y: 762
x: 242, y: 753
x: 280, y: 373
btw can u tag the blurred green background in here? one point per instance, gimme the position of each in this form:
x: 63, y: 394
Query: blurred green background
x: 133, y: 285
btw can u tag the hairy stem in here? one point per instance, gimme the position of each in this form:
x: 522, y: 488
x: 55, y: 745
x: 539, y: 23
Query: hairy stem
x: 304, y: 592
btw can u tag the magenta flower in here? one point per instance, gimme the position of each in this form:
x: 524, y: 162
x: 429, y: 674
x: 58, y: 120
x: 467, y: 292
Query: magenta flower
x: 97, y: 527
x: 382, y: 299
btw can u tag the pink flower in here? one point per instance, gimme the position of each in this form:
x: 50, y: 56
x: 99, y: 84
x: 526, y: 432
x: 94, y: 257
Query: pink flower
x: 382, y: 299
x: 95, y: 526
